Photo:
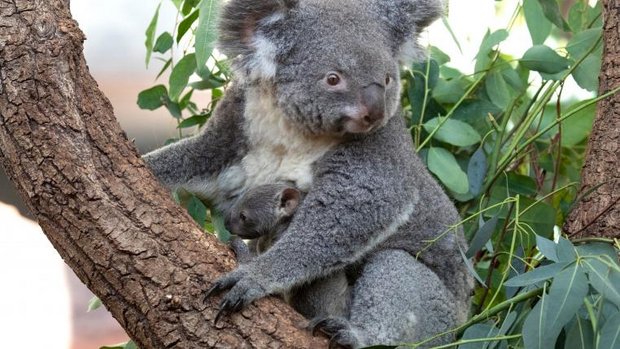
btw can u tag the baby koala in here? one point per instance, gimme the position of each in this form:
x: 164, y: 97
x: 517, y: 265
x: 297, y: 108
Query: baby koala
x: 262, y: 215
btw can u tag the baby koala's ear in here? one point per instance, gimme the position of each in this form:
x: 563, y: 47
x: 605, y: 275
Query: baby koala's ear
x: 289, y: 201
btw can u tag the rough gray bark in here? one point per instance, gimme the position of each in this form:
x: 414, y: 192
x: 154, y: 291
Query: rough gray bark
x: 598, y: 212
x: 104, y: 212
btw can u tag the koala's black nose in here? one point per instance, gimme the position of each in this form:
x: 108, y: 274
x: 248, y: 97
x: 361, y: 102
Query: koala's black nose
x: 373, y: 98
x: 370, y: 109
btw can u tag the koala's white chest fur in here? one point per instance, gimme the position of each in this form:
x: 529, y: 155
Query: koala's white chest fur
x: 277, y: 150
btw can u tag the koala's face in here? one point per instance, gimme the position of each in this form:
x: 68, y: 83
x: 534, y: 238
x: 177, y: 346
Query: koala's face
x: 339, y: 77
x: 334, y: 65
x: 262, y: 210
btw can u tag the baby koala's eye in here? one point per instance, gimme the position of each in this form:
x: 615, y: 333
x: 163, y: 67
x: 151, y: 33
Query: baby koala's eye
x: 388, y: 79
x: 332, y: 79
x: 242, y: 217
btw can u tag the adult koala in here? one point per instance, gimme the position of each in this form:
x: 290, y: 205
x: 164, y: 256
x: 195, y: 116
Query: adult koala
x: 316, y: 102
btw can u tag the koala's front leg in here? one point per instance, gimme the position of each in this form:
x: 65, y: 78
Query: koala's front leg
x: 241, y: 250
x: 197, y: 159
x: 243, y: 290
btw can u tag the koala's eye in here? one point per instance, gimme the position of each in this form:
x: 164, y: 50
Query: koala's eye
x: 388, y: 79
x: 242, y: 217
x: 333, y: 79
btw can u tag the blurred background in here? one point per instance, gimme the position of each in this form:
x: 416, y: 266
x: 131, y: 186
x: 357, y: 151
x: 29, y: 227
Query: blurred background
x: 45, y: 295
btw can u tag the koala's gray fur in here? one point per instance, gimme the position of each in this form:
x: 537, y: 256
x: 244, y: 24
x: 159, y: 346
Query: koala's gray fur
x: 267, y: 212
x: 316, y: 102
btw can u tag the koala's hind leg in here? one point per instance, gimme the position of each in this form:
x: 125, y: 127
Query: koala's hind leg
x: 396, y: 300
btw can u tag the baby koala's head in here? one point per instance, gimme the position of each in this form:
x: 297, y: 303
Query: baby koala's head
x: 263, y: 210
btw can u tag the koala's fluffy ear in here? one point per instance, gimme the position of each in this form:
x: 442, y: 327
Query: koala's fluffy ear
x: 405, y: 20
x: 242, y: 29
x: 289, y: 201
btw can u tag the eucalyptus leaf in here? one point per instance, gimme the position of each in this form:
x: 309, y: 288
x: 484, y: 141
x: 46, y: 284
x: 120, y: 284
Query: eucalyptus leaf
x: 578, y: 16
x: 207, y: 84
x: 545, y: 322
x: 164, y: 68
x: 152, y: 98
x: 537, y: 24
x: 479, y: 331
x: 180, y: 75
x: 476, y: 112
x: 586, y: 73
x: 551, y: 9
x: 439, y: 56
x: 513, y: 78
x: 610, y: 333
x: 163, y: 43
x: 471, y: 268
x: 534, y: 326
x: 94, y: 304
x: 539, y: 274
x: 126, y: 345
x: 206, y: 33
x: 452, y: 131
x: 188, y: 6
x: 489, y: 41
x: 509, y: 320
x: 197, y: 210
x: 579, y: 335
x: 186, y: 24
x: 186, y: 100
x: 540, y: 217
x: 582, y: 42
x: 567, y: 292
x: 450, y: 91
x: 218, y: 223
x: 543, y: 59
x: 598, y: 249
x: 177, y: 3
x: 150, y: 35
x: 174, y: 109
x: 195, y: 120
x: 566, y: 250
x: 548, y: 248
x: 477, y: 171
x: 443, y: 164
x: 482, y: 236
x: 604, y: 279
x: 497, y: 89
x: 578, y: 128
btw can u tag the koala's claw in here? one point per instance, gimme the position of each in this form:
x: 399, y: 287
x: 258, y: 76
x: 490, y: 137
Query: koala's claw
x: 342, y: 341
x: 338, y: 329
x: 328, y: 325
x: 213, y: 290
x: 227, y: 307
x: 243, y: 290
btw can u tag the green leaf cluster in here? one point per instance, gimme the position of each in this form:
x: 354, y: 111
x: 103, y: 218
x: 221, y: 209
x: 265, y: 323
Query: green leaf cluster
x: 186, y: 55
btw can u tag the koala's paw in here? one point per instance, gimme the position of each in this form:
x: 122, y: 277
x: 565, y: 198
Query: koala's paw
x: 241, y: 250
x: 340, y: 331
x: 243, y: 291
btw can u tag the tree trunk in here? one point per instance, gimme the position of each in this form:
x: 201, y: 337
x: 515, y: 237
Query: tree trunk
x: 101, y: 208
x: 598, y: 211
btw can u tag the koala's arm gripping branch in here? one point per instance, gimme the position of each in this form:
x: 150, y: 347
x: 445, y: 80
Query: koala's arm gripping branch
x: 101, y: 208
